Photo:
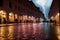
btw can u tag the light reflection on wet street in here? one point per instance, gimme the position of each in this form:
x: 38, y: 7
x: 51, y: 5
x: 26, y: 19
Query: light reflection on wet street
x: 27, y: 31
x: 58, y: 32
x: 54, y: 32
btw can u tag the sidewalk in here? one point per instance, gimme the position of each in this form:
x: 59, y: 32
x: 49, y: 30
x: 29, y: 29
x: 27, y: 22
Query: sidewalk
x: 7, y: 24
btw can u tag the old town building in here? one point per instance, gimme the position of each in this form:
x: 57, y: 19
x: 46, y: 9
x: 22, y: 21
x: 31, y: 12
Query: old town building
x: 17, y: 10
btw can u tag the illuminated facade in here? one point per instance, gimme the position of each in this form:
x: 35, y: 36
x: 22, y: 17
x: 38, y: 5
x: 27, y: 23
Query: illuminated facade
x: 54, y: 13
x: 3, y: 15
x: 17, y: 10
x: 8, y: 11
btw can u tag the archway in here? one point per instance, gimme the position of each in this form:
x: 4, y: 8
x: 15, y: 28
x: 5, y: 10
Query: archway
x: 16, y: 18
x: 3, y: 16
x: 11, y: 17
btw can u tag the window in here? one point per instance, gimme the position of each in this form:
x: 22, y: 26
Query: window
x: 10, y: 4
x: 20, y: 1
x: 18, y: 8
x: 15, y: 0
x: 15, y: 7
x: 1, y: 2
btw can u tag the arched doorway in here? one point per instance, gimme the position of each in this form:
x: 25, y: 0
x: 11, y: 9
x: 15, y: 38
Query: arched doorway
x: 3, y: 16
x: 16, y: 18
x: 11, y: 17
x: 57, y: 17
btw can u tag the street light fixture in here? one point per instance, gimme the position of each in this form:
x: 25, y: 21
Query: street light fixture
x: 10, y: 14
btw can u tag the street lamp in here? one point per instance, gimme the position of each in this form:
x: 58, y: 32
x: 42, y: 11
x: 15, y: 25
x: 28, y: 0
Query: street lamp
x: 57, y: 14
x: 10, y: 14
x: 52, y: 17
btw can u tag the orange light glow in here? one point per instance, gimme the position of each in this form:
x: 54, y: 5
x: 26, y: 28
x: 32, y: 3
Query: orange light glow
x: 11, y: 17
x: 16, y: 16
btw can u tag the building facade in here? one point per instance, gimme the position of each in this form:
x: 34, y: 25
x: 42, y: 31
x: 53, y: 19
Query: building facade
x: 18, y: 10
x: 54, y: 12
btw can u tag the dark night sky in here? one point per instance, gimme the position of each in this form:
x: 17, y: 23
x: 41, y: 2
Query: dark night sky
x: 30, y: 8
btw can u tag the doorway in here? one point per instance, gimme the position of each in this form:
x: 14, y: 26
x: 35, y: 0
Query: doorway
x: 3, y: 16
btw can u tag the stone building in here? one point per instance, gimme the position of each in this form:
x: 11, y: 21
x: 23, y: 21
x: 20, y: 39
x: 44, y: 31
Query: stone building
x: 54, y: 12
x: 17, y: 10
